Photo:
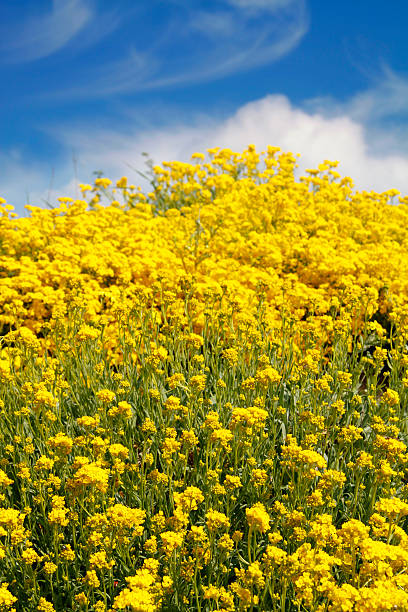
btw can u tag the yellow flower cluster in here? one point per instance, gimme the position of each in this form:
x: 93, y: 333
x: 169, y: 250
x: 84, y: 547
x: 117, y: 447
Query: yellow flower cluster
x: 203, y: 394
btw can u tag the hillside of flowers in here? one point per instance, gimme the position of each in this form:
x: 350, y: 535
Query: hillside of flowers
x: 204, y: 393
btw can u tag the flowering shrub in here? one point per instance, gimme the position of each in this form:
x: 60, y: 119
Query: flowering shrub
x: 203, y: 394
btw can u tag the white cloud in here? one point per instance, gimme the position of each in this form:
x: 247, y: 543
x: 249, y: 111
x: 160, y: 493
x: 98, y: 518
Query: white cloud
x: 317, y: 131
x: 41, y: 36
x: 382, y: 109
x: 272, y: 120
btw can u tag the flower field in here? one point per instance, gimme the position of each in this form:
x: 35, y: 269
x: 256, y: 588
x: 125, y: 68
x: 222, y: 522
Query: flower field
x: 204, y: 393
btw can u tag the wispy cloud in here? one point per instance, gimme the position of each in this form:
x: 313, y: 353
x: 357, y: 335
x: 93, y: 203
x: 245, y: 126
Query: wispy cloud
x: 382, y: 108
x: 40, y: 36
x: 256, y: 5
x: 113, y: 77
x: 198, y: 45
x: 386, y: 96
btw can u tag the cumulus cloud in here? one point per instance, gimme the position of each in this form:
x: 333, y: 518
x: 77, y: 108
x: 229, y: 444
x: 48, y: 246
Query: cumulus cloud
x: 317, y: 130
x: 272, y: 120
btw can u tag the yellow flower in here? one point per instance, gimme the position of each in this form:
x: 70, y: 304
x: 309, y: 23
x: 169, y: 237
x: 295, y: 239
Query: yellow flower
x: 223, y: 436
x: 49, y: 567
x: 231, y: 356
x: 86, y: 332
x: 11, y: 518
x: 194, y: 340
x: 91, y: 475
x: 189, y: 438
x: 98, y: 561
x: 81, y: 599
x: 5, y: 481
x: 45, y: 606
x: 225, y: 543
x: 294, y: 456
x: 67, y: 553
x: 258, y: 518
x: 102, y: 182
x: 350, y: 434
x: 91, y: 579
x: 118, y: 450
x: 259, y: 477
x: 189, y: 499
x: 122, y: 409
x: 392, y: 507
x: 150, y: 545
x: 61, y: 443
x: 30, y: 556
x: 171, y: 540
x: 58, y: 514
x: 121, y: 517
x: 273, y: 557
x: 267, y: 376
x: 88, y: 421
x: 198, y: 382
x: 353, y: 532
x: 157, y: 356
x: 43, y: 397
x: 216, y: 520
x: 390, y: 397
x: 142, y: 594
x: 122, y: 183
x: 169, y: 447
x: 44, y: 463
x: 248, y: 417
x: 232, y: 482
x: 175, y: 380
x: 105, y: 396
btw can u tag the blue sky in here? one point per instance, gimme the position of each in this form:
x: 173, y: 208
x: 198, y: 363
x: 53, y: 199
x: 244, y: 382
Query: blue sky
x: 91, y: 84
